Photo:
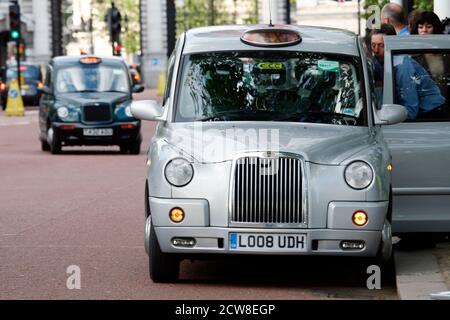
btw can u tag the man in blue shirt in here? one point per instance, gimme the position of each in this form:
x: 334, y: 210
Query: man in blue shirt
x: 392, y: 13
x: 414, y: 88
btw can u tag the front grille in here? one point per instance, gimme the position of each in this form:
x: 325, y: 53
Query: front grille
x: 268, y: 191
x: 97, y: 113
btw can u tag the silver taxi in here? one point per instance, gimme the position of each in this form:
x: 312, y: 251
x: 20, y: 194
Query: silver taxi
x: 269, y: 142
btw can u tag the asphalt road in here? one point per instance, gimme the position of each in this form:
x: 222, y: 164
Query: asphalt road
x: 85, y: 208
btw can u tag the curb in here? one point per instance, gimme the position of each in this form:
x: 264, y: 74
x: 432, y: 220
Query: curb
x: 418, y: 275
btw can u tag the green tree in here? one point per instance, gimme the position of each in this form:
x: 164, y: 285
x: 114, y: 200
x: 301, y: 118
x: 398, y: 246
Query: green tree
x: 130, y: 30
x: 424, y: 4
x: 199, y: 13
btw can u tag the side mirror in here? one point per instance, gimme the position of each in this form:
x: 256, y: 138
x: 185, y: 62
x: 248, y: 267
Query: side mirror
x: 45, y: 90
x: 149, y: 110
x: 391, y: 114
x: 138, y: 88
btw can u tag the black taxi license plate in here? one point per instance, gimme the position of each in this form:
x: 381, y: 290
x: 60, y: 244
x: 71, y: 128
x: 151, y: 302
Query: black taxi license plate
x: 105, y: 132
x: 286, y: 242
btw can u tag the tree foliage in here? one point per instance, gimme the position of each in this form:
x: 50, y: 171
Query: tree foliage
x: 198, y: 13
x: 130, y: 30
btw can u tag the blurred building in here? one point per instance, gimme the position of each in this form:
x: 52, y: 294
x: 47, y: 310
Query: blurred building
x: 36, y: 30
x: 328, y: 13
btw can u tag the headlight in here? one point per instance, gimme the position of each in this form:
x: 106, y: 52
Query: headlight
x: 63, y: 112
x: 128, y: 111
x: 179, y: 172
x: 358, y: 175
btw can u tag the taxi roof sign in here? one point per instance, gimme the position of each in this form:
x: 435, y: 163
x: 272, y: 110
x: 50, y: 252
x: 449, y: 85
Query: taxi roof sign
x: 271, y: 37
x: 90, y: 60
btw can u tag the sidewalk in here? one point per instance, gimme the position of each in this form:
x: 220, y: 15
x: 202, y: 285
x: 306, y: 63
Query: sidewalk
x: 420, y: 273
x: 442, y: 254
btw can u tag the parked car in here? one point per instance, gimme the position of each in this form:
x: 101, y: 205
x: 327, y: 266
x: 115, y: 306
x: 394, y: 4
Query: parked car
x: 31, y: 81
x: 135, y: 74
x: 267, y: 144
x: 86, y: 101
x: 420, y: 146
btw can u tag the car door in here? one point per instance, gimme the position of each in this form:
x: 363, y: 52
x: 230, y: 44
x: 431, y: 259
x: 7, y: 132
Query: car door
x: 417, y: 75
x: 45, y: 101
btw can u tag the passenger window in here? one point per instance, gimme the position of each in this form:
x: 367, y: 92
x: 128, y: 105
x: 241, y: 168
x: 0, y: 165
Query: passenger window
x: 377, y: 86
x: 169, y: 77
x: 48, y: 77
x: 422, y: 85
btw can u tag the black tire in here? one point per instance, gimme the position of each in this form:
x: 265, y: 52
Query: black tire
x: 55, y: 146
x: 163, y: 267
x: 135, y: 147
x: 45, y: 146
x: 124, y: 148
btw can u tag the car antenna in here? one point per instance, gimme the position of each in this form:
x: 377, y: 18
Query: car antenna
x: 270, y: 13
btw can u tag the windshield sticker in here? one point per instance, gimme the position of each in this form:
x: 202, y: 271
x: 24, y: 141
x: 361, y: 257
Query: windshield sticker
x: 329, y: 66
x: 270, y: 66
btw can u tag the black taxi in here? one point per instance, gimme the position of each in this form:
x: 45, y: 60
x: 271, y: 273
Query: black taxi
x: 86, y: 100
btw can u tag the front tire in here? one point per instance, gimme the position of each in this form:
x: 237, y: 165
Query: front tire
x: 45, y: 146
x: 53, y: 141
x: 135, y: 148
x: 163, y: 267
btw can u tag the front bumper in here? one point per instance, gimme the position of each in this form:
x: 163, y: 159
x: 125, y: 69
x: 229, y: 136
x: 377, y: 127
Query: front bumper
x: 71, y: 134
x: 215, y: 240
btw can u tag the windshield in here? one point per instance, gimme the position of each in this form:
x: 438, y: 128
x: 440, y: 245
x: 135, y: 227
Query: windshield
x: 270, y: 86
x: 92, y: 78
x: 29, y: 72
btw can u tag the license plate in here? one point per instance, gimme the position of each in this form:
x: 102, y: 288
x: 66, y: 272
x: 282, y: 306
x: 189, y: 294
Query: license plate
x: 268, y: 242
x: 98, y: 132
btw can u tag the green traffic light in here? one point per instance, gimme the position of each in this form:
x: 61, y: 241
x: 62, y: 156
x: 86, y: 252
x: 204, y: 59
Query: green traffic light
x: 15, y: 34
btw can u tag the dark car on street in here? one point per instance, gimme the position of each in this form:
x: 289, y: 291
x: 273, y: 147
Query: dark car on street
x: 31, y: 81
x: 135, y: 74
x: 86, y: 101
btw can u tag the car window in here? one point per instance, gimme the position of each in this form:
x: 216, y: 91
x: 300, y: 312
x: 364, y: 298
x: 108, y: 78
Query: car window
x: 169, y: 77
x: 92, y: 78
x: 422, y: 85
x: 271, y: 86
x: 48, y: 77
x: 29, y: 72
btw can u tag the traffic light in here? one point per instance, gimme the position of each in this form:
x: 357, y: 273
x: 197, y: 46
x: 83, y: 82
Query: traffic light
x: 114, y: 23
x: 117, y: 49
x: 14, y: 21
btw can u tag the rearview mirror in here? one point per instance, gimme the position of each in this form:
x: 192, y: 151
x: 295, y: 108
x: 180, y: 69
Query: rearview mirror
x: 391, y: 114
x: 149, y: 110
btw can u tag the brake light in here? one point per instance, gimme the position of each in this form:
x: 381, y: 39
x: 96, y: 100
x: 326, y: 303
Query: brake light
x: 40, y: 85
x: 2, y: 86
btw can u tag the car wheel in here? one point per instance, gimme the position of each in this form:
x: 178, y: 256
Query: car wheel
x: 384, y: 254
x: 45, y: 146
x: 53, y: 141
x: 163, y: 267
x: 124, y: 148
x: 135, y: 147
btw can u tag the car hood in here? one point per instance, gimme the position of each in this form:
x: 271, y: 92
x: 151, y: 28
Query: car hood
x: 79, y: 99
x: 218, y: 142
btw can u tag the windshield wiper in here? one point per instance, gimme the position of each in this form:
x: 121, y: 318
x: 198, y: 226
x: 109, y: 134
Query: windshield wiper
x: 114, y: 91
x: 315, y: 114
x: 218, y: 115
